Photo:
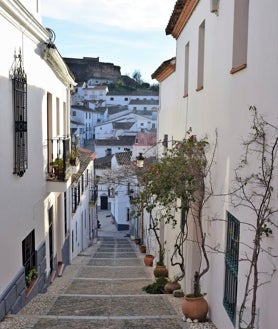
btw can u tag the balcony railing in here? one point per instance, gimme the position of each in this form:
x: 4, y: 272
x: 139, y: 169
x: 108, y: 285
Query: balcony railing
x: 94, y: 195
x: 59, y: 156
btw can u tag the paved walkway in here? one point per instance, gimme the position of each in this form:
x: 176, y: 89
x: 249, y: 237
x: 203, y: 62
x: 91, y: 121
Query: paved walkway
x: 101, y: 289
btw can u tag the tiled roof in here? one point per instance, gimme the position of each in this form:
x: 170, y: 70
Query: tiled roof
x: 85, y: 156
x: 104, y: 162
x: 123, y: 158
x: 146, y: 139
x: 180, y: 15
x: 175, y: 15
x: 133, y: 93
x: 166, y: 68
x: 122, y: 125
x: 77, y: 123
x: 81, y: 108
x: 96, y: 88
x: 143, y: 102
x: 122, y: 141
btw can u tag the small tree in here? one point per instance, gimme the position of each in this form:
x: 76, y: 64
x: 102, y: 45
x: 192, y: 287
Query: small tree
x: 254, y: 190
x: 175, y: 184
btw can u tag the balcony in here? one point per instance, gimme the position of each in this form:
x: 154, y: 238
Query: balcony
x: 60, y: 164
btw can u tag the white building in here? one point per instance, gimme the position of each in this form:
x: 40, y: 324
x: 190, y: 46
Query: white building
x: 116, y: 177
x: 124, y: 98
x: 35, y: 203
x: 85, y: 92
x: 105, y: 147
x: 82, y: 123
x: 226, y: 61
x: 128, y: 124
x: 84, y: 195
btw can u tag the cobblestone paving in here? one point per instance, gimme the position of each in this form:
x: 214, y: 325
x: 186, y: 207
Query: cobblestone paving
x: 101, y: 289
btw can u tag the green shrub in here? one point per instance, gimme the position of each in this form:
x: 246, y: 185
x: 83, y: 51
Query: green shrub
x: 156, y: 287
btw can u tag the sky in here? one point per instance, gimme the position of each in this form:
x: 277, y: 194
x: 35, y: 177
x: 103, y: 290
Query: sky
x: 127, y: 33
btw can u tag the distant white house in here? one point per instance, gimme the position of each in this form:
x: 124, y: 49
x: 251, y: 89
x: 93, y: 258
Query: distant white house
x: 116, y: 177
x: 124, y: 98
x: 81, y: 123
x: 127, y: 124
x: 84, y: 93
x: 144, y: 104
x: 105, y: 147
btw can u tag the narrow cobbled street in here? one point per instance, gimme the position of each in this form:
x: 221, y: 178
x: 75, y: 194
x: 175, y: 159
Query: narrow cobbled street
x: 102, y: 288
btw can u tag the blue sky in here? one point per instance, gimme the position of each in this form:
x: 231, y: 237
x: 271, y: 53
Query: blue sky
x: 128, y: 33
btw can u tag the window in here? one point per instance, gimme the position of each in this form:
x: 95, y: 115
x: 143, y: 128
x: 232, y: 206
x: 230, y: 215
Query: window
x: 186, y: 70
x: 111, y: 98
x: 240, y: 37
x: 231, y: 266
x: 65, y: 128
x: 201, y: 57
x: 28, y: 252
x: 19, y: 80
x: 73, y: 113
x: 65, y: 214
x: 57, y: 116
x: 82, y: 184
x: 126, y: 99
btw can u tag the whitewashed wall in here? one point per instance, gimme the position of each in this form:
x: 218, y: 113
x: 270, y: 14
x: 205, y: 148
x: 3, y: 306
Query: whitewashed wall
x: 223, y: 105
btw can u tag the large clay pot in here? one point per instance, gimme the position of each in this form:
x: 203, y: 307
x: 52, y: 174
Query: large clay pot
x: 195, y: 308
x: 170, y: 287
x: 160, y: 271
x: 148, y: 260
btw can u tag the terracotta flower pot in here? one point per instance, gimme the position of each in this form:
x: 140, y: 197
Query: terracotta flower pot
x: 148, y: 260
x: 170, y: 287
x: 195, y: 308
x: 160, y: 271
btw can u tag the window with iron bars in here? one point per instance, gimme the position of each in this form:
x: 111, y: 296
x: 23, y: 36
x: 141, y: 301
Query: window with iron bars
x: 19, y: 80
x: 231, y: 266
x: 28, y: 252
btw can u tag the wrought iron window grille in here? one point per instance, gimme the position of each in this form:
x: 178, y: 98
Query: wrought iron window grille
x: 19, y: 81
x: 231, y: 267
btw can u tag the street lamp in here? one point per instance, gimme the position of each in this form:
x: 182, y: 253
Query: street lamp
x: 140, y: 160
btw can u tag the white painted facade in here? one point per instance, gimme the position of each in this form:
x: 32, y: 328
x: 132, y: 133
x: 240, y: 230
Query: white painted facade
x: 142, y: 123
x: 123, y: 99
x: 81, y: 119
x: 222, y: 103
x: 84, y: 216
x: 27, y: 201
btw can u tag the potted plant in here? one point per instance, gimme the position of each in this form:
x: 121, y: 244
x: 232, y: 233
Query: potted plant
x: 148, y: 260
x: 194, y: 305
x: 171, y: 286
x: 32, y: 274
x: 142, y: 248
x: 176, y: 185
x: 74, y: 157
x: 58, y: 166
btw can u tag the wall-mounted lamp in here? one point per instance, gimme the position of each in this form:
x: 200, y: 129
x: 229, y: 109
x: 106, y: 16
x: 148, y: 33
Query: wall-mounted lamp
x: 140, y: 160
